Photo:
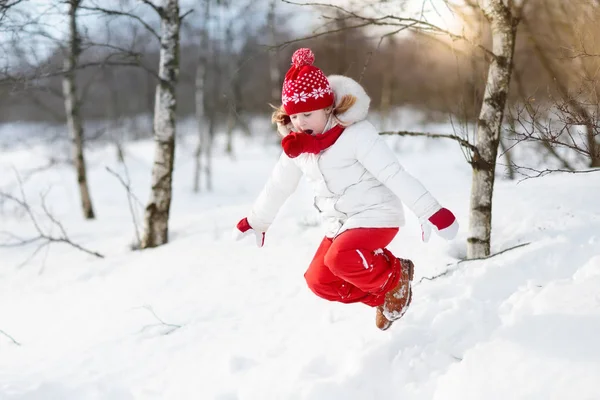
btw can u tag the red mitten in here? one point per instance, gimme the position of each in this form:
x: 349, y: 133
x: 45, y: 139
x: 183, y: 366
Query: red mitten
x: 297, y: 143
x: 444, y: 223
x: 244, y: 229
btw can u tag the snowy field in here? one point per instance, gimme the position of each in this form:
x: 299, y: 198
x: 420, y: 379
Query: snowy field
x: 208, y: 318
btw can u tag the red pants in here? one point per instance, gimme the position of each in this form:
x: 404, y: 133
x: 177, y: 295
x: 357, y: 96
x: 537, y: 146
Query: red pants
x: 353, y: 268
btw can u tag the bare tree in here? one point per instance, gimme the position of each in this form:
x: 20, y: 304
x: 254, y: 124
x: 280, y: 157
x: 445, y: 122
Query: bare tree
x: 387, y: 86
x: 504, y: 29
x: 72, y: 108
x: 200, y: 102
x: 209, y: 76
x: 274, y: 73
x: 156, y: 219
x: 114, y: 115
x: 233, y: 79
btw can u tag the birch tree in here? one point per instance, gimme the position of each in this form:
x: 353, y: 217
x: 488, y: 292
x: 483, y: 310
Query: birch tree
x: 156, y: 217
x: 72, y: 108
x: 503, y: 26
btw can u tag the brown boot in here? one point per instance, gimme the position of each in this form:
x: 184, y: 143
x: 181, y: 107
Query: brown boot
x: 380, y: 320
x: 398, y: 299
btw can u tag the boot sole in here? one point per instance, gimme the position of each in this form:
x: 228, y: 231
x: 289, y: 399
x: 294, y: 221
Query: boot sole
x: 387, y: 322
x: 411, y: 273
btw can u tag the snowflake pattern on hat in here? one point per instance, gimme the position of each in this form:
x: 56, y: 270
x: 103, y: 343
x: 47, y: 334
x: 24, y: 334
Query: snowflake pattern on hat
x: 302, y: 96
x: 305, y: 87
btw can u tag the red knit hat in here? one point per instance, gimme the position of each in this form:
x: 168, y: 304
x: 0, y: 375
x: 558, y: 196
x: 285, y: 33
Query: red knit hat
x: 305, y: 87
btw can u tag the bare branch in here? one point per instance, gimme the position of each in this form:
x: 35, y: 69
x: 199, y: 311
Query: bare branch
x: 5, y: 6
x: 185, y: 14
x: 125, y: 14
x: 460, y: 140
x: 455, y: 266
x: 389, y: 20
x: 530, y: 109
x: 159, y: 10
x: 42, y: 235
x: 558, y: 128
x: 10, y: 337
x: 544, y: 172
x: 130, y: 196
x: 171, y: 327
x: 81, y: 66
x: 316, y: 35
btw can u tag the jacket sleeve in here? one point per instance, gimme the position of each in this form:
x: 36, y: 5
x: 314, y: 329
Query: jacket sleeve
x: 282, y: 183
x: 377, y: 158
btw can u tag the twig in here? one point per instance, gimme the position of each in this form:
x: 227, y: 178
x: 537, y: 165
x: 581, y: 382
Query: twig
x: 460, y: 140
x: 455, y: 266
x: 159, y: 10
x: 173, y: 327
x: 541, y: 173
x: 130, y: 196
x: 10, y: 337
x: 185, y: 14
x: 316, y: 35
x: 42, y: 235
x: 124, y: 14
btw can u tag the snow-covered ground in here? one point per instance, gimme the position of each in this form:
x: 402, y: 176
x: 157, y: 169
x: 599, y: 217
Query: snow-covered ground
x: 208, y: 318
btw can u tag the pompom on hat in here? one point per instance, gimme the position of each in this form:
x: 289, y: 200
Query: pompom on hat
x: 305, y: 87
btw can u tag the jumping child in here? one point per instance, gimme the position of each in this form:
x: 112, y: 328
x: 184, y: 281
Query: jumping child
x: 359, y: 187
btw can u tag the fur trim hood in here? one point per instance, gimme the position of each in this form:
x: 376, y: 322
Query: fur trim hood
x: 343, y: 85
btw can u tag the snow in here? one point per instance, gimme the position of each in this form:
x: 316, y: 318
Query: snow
x: 206, y: 317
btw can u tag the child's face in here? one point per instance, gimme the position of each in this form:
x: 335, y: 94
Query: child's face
x: 312, y: 122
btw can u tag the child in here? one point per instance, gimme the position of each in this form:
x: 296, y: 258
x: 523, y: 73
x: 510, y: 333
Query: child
x: 359, y: 189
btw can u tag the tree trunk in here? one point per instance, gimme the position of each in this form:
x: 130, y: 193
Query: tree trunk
x: 215, y: 76
x: 150, y: 93
x: 591, y: 142
x: 199, y: 100
x: 200, y: 82
x: 386, y: 98
x: 113, y: 114
x: 231, y: 99
x: 156, y: 218
x: 274, y: 73
x: 208, y: 151
x: 489, y: 126
x: 73, y: 112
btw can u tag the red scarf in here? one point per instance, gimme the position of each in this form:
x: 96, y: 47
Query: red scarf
x: 297, y: 143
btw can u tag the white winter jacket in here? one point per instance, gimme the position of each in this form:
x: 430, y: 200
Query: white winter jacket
x: 357, y: 182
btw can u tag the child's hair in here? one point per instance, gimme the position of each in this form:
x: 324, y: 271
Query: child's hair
x: 281, y: 117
